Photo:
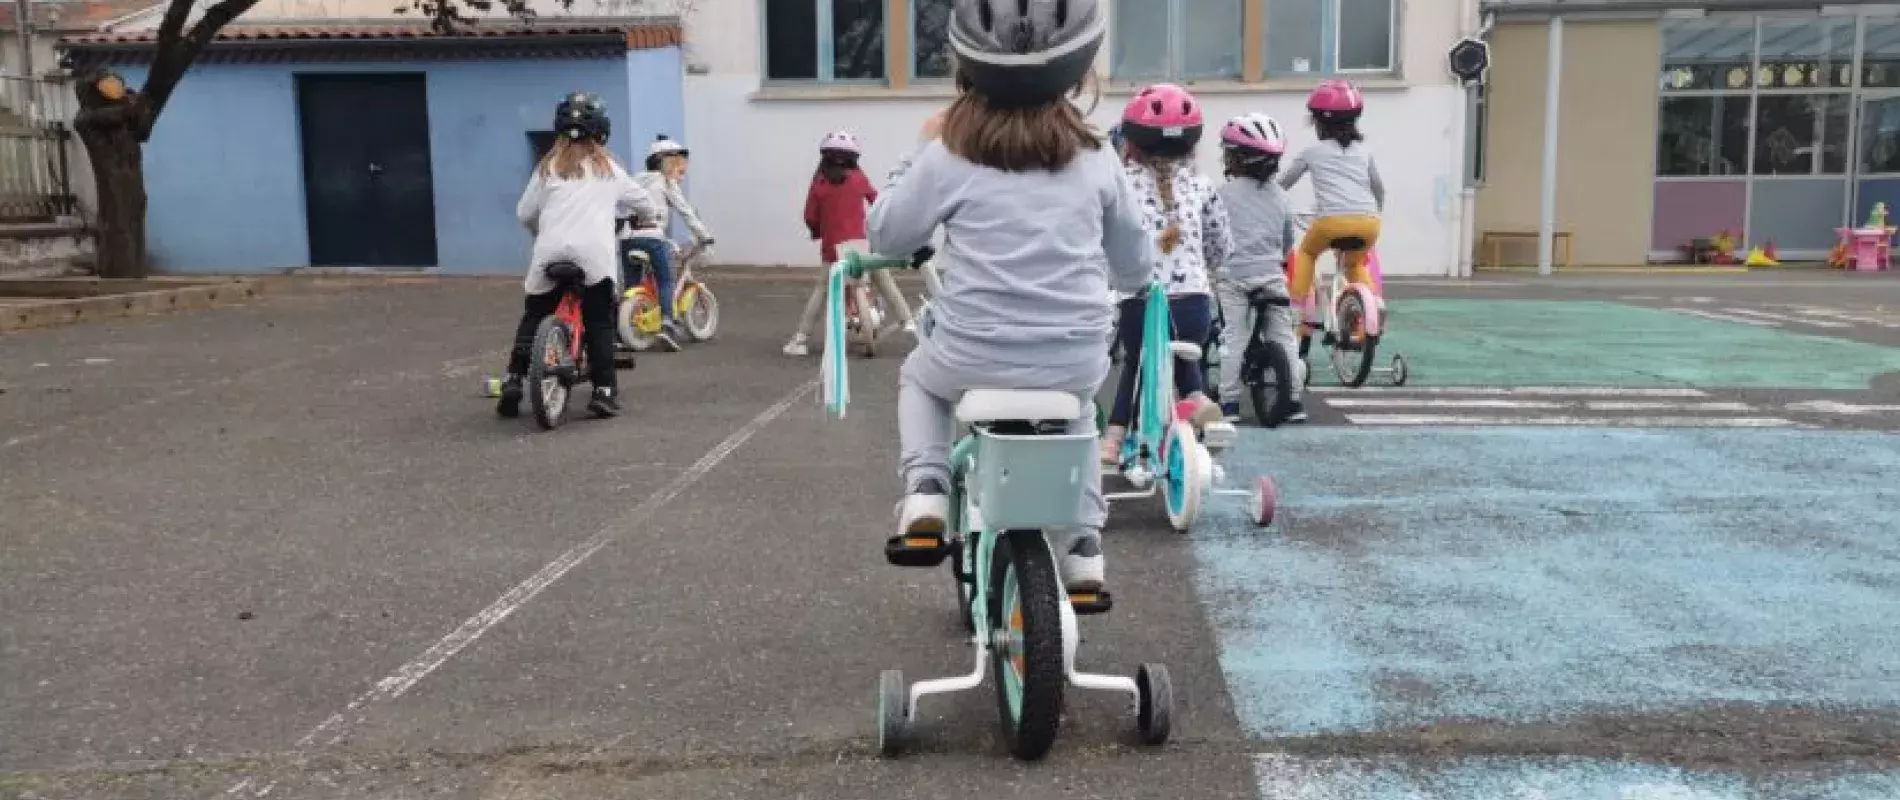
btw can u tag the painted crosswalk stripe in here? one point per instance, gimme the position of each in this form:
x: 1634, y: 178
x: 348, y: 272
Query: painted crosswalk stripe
x: 1569, y: 421
x: 1579, y: 391
x: 1833, y: 314
x: 1651, y: 405
x: 1818, y: 323
x: 1455, y: 402
x: 1696, y: 312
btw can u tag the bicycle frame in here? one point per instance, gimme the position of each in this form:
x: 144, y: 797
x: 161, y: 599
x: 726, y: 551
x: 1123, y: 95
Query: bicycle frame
x: 1154, y: 407
x: 650, y: 321
x: 569, y: 311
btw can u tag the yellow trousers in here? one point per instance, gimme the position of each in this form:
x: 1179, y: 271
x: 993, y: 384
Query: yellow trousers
x: 1319, y: 239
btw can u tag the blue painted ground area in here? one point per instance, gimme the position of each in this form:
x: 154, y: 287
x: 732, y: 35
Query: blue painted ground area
x: 1422, y: 574
x: 1291, y: 778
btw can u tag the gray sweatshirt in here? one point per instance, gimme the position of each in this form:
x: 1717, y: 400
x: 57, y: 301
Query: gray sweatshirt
x: 1345, y: 179
x: 1028, y: 258
x: 1263, y: 231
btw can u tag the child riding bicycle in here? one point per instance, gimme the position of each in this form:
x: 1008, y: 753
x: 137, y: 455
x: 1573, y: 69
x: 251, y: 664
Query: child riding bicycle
x: 1251, y: 147
x: 1346, y: 186
x: 572, y: 200
x: 1039, y: 224
x: 835, y: 208
x: 665, y: 167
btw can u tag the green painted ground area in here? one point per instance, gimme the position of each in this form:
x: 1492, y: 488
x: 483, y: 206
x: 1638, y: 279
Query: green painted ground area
x: 1544, y: 342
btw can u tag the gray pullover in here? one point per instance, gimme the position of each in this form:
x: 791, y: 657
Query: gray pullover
x: 1028, y: 258
x: 1263, y: 232
x: 1345, y: 179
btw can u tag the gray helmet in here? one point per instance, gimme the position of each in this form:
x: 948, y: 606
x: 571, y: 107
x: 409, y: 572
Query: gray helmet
x: 1025, y: 52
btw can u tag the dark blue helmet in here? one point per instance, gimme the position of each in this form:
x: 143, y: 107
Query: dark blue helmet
x: 582, y: 115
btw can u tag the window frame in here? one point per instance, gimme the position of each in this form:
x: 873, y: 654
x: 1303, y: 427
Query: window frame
x: 826, y: 34
x: 1329, y: 42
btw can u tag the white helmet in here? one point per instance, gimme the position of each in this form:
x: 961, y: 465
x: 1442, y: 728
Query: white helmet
x: 663, y: 146
x: 840, y: 140
x: 1257, y: 132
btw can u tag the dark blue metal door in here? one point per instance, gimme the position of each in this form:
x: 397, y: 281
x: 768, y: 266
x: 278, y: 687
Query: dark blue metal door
x: 368, y: 189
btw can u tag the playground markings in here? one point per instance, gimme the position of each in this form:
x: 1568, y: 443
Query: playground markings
x: 1563, y: 406
x: 1782, y: 314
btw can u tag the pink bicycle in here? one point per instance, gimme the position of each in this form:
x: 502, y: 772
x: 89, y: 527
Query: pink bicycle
x: 1351, y: 321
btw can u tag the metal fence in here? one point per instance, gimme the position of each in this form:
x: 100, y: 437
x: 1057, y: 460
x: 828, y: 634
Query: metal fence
x: 35, y: 126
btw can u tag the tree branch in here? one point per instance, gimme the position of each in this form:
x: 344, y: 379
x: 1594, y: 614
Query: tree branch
x: 177, y: 57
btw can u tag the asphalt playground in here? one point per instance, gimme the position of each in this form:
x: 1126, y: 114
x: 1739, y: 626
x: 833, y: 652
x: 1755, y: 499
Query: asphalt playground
x: 1620, y: 537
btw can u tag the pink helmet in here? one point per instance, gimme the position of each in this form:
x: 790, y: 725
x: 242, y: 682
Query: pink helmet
x: 1336, y: 100
x: 1163, y: 120
x: 840, y: 140
x: 1255, y: 132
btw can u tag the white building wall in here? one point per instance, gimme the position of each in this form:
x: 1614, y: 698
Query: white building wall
x: 755, y: 151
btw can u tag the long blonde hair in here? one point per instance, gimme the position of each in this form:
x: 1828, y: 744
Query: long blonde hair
x: 1017, y: 139
x: 1164, y: 188
x: 574, y: 159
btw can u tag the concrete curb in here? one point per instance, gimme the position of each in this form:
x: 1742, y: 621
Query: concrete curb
x: 29, y: 304
x: 1617, y: 271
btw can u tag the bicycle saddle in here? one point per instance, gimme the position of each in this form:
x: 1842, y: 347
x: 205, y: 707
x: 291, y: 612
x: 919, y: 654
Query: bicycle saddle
x: 565, y: 273
x: 1349, y: 243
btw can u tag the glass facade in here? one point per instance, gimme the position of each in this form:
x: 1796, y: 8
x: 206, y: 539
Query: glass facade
x: 1775, y: 128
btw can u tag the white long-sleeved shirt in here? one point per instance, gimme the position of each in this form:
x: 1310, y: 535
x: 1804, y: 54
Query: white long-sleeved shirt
x: 1206, y: 238
x: 670, y: 199
x: 573, y: 220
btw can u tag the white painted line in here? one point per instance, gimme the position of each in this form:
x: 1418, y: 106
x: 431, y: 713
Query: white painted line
x: 333, y: 729
x: 1693, y: 299
x: 1832, y: 407
x: 1578, y: 422
x: 1819, y: 323
x: 1651, y: 405
x: 1558, y: 391
x: 1403, y: 402
x: 1833, y: 314
x: 1760, y: 323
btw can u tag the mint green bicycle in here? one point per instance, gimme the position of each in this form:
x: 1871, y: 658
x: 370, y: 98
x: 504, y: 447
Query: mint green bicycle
x: 1016, y: 473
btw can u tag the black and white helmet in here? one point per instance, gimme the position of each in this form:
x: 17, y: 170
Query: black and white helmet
x: 1025, y: 52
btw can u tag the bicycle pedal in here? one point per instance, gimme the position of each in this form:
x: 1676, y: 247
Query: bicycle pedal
x: 915, y: 550
x: 1087, y: 603
x: 1219, y: 435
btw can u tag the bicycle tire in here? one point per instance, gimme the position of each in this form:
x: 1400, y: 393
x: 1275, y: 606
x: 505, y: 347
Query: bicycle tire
x: 1029, y: 698
x: 1352, y: 316
x: 1270, y: 384
x: 550, y: 372
x: 701, y: 315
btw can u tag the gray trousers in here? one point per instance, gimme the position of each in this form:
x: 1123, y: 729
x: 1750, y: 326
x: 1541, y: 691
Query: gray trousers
x: 1238, y: 314
x: 815, y: 302
x: 927, y: 392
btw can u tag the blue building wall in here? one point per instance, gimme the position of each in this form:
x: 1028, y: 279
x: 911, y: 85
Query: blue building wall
x: 224, y: 168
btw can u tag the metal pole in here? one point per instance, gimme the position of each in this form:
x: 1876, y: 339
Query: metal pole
x: 1547, y: 225
x: 23, y: 13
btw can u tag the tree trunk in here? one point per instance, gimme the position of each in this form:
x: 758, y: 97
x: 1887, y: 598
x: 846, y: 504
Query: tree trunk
x: 118, y: 169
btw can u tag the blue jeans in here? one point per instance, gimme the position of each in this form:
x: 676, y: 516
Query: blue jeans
x: 660, y: 251
x: 1192, y: 316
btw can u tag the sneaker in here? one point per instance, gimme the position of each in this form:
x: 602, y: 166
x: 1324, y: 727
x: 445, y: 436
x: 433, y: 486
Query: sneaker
x: 1206, y: 412
x: 1230, y: 411
x: 1299, y: 412
x: 798, y: 347
x: 1082, y: 566
x: 1111, y: 447
x: 604, y: 404
x: 510, y: 404
x: 669, y: 337
x: 925, y: 511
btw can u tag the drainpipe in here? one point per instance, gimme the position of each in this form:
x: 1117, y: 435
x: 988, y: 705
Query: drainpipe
x: 1547, y: 224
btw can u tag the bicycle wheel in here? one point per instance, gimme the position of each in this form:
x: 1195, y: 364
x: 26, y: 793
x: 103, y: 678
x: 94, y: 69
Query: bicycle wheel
x: 551, y: 371
x: 1352, y: 351
x: 636, y: 312
x: 1270, y: 384
x: 1026, y: 626
x: 701, y: 312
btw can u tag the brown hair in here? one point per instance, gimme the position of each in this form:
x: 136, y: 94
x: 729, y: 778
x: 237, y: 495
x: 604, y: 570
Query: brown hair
x: 1164, y: 188
x: 575, y: 159
x: 1017, y: 139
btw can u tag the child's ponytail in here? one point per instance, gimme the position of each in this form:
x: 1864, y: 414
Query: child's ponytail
x: 1164, y: 188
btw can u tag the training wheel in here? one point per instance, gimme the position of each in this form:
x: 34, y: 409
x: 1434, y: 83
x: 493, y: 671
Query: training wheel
x: 893, y: 713
x: 1264, y: 500
x: 1155, y: 720
x: 1399, y: 370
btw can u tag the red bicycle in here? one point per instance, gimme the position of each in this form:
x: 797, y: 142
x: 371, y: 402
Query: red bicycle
x: 558, y: 360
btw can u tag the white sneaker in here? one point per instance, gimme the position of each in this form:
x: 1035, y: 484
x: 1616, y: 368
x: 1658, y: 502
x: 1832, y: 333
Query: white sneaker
x: 923, y: 514
x: 1081, y: 564
x: 797, y: 347
x: 1111, y: 447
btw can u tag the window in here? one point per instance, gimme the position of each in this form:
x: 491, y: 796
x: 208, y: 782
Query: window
x: 1330, y: 36
x: 1180, y: 40
x: 1791, y: 129
x: 930, y: 39
x: 1702, y: 136
x: 824, y: 40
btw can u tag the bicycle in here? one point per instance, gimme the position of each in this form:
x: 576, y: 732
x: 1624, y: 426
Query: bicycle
x: 1161, y: 450
x: 693, y: 304
x: 1015, y: 473
x: 1352, y: 309
x: 1266, y: 369
x: 558, y: 357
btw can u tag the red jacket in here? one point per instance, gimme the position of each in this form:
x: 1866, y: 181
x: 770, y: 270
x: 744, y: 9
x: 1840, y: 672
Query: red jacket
x: 835, y: 211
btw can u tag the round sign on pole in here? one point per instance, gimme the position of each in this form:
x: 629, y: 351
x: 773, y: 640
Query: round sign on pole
x: 1470, y: 58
